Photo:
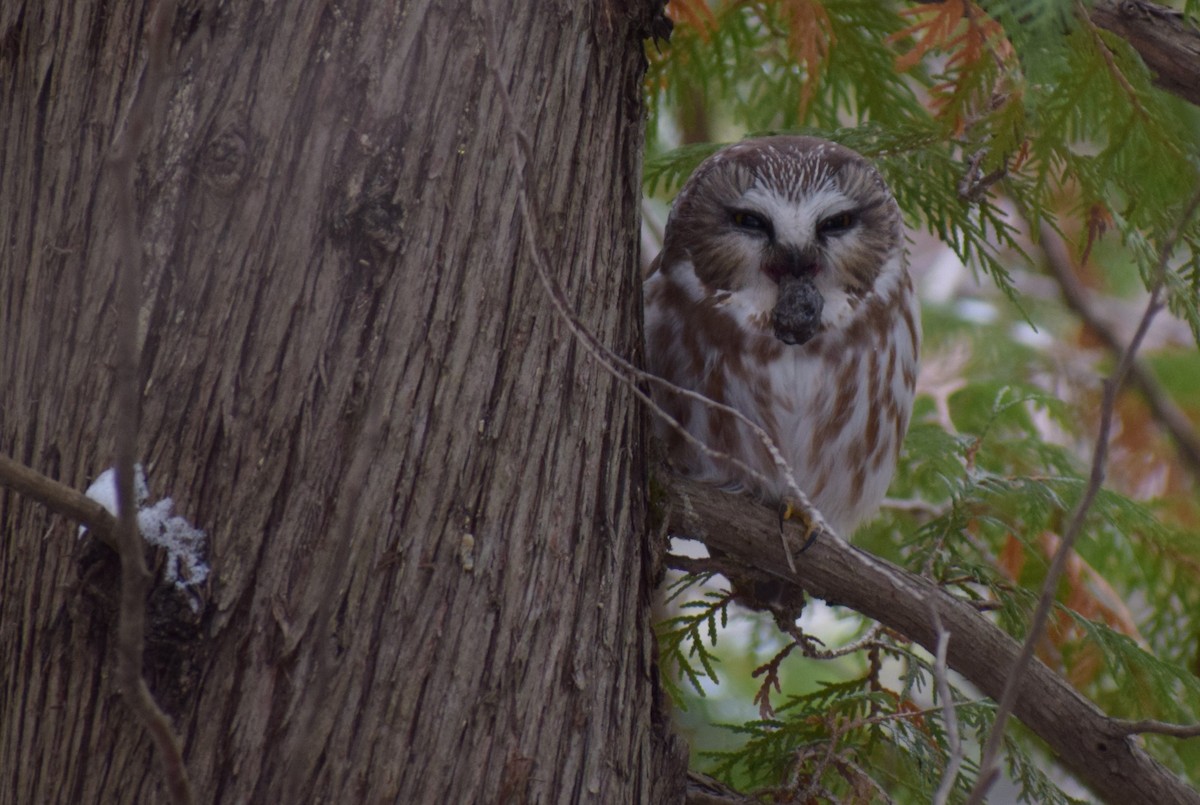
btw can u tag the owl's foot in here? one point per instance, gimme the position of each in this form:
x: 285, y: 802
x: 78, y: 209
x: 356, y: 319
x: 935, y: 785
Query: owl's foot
x: 788, y: 510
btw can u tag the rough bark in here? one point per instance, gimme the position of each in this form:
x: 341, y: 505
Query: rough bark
x: 1095, y: 747
x: 1166, y: 40
x: 431, y: 582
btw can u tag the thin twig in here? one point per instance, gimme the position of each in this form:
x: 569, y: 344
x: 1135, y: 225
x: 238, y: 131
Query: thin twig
x: 621, y: 369
x: 940, y: 709
x: 1123, y: 728
x: 914, y: 506
x: 973, y: 185
x: 863, y: 777
x: 838, y: 729
x: 942, y: 680
x: 810, y: 791
x: 989, y: 769
x: 59, y: 498
x: 1164, y: 410
x: 695, y: 565
x: 869, y: 639
x: 134, y: 575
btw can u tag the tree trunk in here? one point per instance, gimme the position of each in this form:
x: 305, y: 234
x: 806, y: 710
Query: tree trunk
x: 431, y: 578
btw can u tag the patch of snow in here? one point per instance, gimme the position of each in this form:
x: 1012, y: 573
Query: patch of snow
x: 184, y: 543
x: 104, y: 490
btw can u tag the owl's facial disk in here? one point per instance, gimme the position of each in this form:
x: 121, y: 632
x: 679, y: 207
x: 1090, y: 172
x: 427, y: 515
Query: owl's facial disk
x: 790, y: 232
x: 793, y: 242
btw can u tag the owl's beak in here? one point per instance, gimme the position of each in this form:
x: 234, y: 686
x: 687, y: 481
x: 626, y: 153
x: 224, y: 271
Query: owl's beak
x: 797, y: 313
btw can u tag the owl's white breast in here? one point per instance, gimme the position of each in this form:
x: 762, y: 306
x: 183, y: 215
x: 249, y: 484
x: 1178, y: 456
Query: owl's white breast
x: 837, y: 407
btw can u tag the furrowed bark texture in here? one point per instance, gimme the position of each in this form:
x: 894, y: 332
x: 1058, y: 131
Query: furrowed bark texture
x: 430, y: 582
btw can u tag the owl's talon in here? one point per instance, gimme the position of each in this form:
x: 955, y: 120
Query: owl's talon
x: 787, y: 510
x: 810, y: 536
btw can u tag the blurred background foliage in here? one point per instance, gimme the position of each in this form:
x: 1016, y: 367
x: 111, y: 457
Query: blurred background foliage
x: 1049, y: 186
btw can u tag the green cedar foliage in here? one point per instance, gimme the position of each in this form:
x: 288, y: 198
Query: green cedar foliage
x: 988, y: 120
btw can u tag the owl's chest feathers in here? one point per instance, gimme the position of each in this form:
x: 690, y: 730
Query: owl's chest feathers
x: 836, y: 407
x: 875, y: 353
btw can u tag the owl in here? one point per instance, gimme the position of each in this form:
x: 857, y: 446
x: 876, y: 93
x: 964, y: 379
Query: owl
x: 782, y: 292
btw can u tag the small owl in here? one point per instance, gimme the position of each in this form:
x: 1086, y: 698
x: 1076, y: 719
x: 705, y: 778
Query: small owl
x: 782, y: 292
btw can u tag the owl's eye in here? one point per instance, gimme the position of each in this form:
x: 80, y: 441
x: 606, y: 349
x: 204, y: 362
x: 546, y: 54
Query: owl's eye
x: 836, y: 224
x: 743, y: 219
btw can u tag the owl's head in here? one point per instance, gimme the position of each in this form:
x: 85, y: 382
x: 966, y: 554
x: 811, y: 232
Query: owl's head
x: 790, y: 233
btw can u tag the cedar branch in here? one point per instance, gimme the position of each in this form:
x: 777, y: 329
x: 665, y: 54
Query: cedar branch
x: 1088, y: 742
x: 1017, y: 682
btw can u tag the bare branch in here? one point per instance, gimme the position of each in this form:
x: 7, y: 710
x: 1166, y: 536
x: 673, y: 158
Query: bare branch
x: 989, y: 769
x: 59, y: 498
x: 694, y: 565
x: 942, y: 680
x: 1156, y: 728
x: 703, y: 789
x: 1088, y: 742
x: 989, y: 765
x: 870, y: 639
x: 135, y: 577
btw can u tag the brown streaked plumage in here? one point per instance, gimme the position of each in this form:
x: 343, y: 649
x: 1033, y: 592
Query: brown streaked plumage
x: 782, y: 291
